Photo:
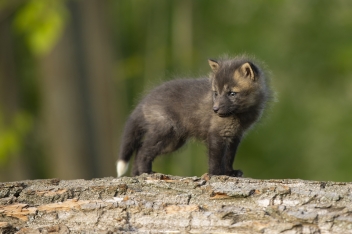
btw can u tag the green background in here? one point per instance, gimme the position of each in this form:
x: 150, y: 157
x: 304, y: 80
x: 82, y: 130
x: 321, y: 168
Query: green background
x: 306, y: 45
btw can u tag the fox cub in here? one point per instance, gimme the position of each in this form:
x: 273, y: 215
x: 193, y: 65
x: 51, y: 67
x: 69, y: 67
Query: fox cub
x: 217, y: 110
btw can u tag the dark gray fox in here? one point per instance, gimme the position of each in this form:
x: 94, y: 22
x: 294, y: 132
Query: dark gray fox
x: 217, y: 110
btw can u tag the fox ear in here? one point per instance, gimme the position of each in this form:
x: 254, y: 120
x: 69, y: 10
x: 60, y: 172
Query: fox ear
x: 213, y: 64
x: 248, y: 71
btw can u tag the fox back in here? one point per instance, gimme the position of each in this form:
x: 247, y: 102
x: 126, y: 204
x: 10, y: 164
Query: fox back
x: 216, y: 110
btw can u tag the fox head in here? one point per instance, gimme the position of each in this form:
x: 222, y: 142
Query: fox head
x: 238, y: 86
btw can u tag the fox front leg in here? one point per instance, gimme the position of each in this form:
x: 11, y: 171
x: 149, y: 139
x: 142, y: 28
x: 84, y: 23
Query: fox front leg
x: 229, y: 158
x: 222, y: 155
x: 216, y: 148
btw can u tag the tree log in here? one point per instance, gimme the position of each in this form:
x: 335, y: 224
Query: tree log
x: 169, y: 204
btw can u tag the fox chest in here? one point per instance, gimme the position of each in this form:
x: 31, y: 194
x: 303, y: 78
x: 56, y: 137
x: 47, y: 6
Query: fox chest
x: 226, y: 127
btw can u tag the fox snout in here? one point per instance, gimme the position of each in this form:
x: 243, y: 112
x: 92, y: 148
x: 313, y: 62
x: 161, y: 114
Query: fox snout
x: 221, y: 111
x: 216, y: 109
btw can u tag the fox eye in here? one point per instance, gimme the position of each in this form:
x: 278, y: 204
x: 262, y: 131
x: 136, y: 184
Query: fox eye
x: 215, y: 93
x: 232, y: 94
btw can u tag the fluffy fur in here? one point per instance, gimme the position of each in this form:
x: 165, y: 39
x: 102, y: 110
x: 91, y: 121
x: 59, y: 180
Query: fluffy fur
x: 216, y: 110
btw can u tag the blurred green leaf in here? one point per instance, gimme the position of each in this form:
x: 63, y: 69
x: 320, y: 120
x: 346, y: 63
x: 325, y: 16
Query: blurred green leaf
x: 12, y: 135
x: 41, y: 22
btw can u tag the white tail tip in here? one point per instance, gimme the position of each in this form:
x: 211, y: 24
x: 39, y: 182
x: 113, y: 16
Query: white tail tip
x: 121, y: 167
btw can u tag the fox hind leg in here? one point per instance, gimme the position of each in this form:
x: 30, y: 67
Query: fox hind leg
x: 155, y: 143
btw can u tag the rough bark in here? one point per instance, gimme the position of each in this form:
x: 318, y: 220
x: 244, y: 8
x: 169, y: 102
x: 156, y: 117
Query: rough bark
x: 160, y: 203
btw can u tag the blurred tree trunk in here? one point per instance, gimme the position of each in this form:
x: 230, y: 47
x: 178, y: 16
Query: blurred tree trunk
x: 78, y: 99
x: 64, y: 129
x: 99, y: 63
x: 182, y: 34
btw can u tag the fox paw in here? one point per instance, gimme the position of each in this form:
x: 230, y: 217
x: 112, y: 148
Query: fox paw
x: 236, y: 173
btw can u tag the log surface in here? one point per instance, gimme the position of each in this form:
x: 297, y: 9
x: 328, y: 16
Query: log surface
x: 169, y: 204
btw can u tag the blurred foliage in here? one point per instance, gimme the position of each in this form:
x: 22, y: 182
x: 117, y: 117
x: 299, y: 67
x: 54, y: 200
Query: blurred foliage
x: 12, y: 135
x: 306, y: 46
x: 41, y: 22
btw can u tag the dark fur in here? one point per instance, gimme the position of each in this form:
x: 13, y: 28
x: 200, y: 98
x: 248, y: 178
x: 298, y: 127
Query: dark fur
x: 217, y: 110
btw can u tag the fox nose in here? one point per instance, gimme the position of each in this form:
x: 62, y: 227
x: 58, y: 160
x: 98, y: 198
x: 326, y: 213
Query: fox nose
x: 215, y: 109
